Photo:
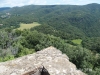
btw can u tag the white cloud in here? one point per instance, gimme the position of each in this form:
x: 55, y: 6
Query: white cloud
x: 11, y: 3
x: 37, y: 2
x: 79, y: 2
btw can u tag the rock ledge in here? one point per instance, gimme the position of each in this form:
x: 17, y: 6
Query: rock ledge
x: 52, y: 59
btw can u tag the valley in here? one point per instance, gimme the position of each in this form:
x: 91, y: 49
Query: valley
x: 73, y: 29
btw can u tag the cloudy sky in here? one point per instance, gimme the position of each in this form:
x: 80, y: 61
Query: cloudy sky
x: 12, y: 3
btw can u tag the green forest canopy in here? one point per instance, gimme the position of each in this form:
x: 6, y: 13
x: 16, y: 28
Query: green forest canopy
x: 72, y: 29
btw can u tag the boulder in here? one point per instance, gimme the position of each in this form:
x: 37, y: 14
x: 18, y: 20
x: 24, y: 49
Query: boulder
x: 49, y: 61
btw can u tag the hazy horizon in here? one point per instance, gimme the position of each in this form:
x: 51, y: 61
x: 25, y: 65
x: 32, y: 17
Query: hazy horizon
x: 13, y: 3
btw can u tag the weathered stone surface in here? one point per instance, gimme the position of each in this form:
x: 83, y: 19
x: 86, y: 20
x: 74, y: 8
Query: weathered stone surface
x: 52, y: 59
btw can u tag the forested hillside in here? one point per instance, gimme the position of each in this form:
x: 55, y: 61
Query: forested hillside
x: 70, y: 28
x: 77, y: 20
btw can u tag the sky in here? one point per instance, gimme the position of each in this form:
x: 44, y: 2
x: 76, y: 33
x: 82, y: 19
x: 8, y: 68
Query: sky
x: 13, y: 3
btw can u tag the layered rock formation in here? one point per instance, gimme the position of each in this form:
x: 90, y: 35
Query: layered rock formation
x: 52, y: 59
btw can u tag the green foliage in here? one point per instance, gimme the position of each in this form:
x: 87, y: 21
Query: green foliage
x: 92, y: 44
x: 6, y: 58
x: 24, y: 51
x: 73, y: 21
x: 9, y: 57
x: 47, y: 29
x: 81, y: 57
x: 32, y: 39
x: 10, y: 45
x: 59, y: 25
x: 29, y: 41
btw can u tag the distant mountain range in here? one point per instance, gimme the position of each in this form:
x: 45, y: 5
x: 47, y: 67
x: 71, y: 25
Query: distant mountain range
x: 72, y: 19
x: 4, y: 8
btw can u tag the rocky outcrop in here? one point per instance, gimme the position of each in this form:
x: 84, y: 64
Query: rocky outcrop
x: 52, y: 59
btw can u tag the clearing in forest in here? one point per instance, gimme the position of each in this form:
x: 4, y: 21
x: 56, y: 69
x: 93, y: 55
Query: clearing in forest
x: 77, y: 41
x: 28, y: 26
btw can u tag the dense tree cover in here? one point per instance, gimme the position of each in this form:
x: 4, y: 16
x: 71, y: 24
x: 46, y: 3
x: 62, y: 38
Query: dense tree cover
x: 70, y: 19
x: 26, y: 42
x: 59, y: 25
x: 10, y: 45
x: 46, y: 29
x: 92, y: 44
x: 13, y: 21
x: 84, y: 59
